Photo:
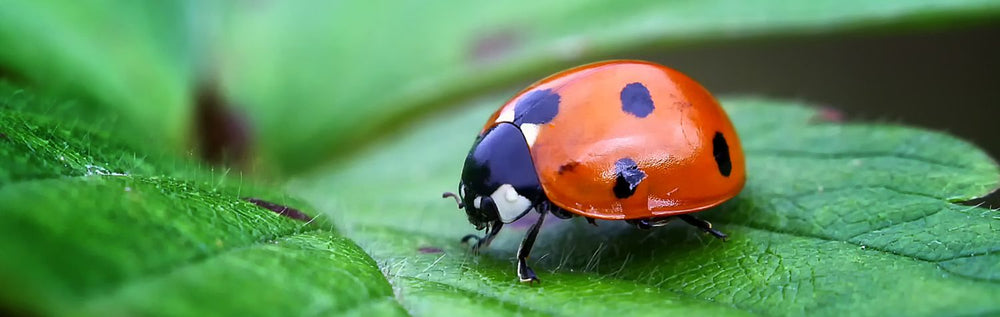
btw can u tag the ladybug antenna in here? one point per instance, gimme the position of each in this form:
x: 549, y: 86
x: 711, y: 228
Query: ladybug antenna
x: 452, y: 195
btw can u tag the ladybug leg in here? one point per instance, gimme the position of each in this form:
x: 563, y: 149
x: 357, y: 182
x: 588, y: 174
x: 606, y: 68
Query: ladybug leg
x: 703, y: 225
x: 559, y: 212
x: 525, y: 273
x: 639, y: 223
x: 468, y: 237
x: 491, y: 232
x: 649, y: 223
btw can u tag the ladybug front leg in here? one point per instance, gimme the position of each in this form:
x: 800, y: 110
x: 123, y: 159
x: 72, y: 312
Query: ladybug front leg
x: 491, y: 232
x: 524, y: 272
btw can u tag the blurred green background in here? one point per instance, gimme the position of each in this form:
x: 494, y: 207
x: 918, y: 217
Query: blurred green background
x: 281, y: 87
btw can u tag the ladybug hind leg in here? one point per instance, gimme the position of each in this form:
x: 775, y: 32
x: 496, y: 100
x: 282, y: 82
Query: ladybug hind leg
x: 703, y: 225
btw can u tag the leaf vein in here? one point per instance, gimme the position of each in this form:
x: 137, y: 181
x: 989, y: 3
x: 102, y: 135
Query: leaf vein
x: 504, y: 302
x: 886, y: 251
x: 200, y: 259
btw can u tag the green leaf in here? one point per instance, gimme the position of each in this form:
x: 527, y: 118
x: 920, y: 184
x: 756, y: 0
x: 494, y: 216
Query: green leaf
x: 836, y: 219
x: 89, y: 227
x: 350, y: 69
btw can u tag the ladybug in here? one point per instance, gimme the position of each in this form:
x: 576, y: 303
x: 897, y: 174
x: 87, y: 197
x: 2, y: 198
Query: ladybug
x: 616, y: 140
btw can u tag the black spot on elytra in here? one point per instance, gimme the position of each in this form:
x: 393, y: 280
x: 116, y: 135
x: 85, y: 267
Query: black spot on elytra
x: 279, y: 209
x: 537, y: 107
x: 720, y: 149
x: 636, y: 100
x: 568, y: 167
x: 629, y: 177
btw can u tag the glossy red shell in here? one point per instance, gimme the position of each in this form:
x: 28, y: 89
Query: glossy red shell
x: 575, y: 152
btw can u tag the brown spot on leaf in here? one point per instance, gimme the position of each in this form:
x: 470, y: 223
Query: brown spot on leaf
x: 430, y: 250
x: 8, y: 74
x: 827, y: 114
x: 279, y: 209
x: 494, y: 46
x: 223, y: 135
x: 568, y: 167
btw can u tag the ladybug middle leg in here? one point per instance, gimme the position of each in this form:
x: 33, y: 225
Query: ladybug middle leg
x: 703, y: 225
x: 524, y: 272
x: 648, y: 223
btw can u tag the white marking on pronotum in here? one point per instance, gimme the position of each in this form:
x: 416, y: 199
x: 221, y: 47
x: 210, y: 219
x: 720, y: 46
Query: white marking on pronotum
x: 478, y: 202
x: 510, y: 204
x: 506, y: 116
x: 511, y: 195
x: 530, y: 132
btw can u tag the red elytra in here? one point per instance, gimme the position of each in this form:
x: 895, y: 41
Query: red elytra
x: 575, y: 153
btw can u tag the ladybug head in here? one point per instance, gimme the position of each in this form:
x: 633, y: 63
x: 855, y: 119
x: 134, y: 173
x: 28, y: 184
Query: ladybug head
x: 499, y: 183
x: 481, y: 209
